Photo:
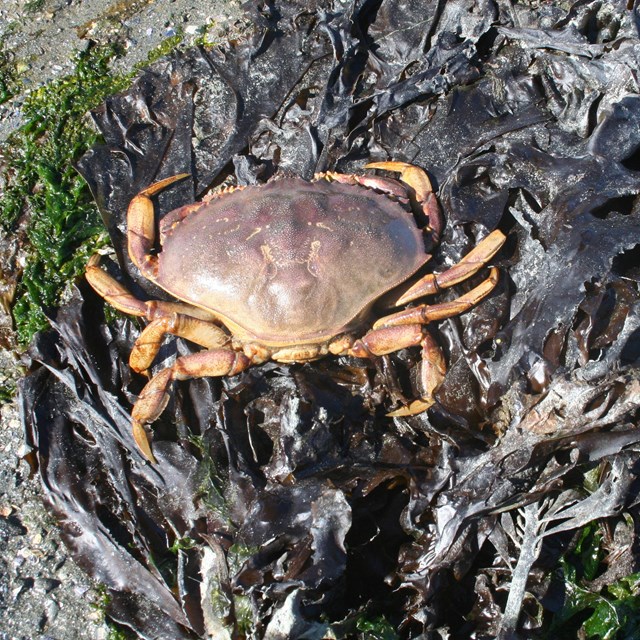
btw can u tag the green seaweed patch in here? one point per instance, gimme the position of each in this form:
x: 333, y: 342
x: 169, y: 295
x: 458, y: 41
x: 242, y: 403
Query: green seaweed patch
x: 120, y: 633
x: 163, y: 49
x: 44, y: 191
x: 34, y: 6
x: 182, y: 544
x: 607, y: 612
x: 9, y: 76
x: 7, y: 392
x: 114, y: 630
x: 376, y: 629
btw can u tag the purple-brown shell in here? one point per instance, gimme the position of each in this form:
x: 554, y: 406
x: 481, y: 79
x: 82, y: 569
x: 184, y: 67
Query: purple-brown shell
x: 291, y: 261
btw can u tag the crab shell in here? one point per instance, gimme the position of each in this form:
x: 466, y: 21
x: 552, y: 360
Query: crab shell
x: 290, y: 262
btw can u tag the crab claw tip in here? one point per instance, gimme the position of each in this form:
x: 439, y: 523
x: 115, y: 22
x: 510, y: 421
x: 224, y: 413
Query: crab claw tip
x: 142, y: 440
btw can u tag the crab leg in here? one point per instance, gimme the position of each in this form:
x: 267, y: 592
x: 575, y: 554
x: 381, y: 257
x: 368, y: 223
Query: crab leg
x: 141, y: 226
x: 432, y: 365
x: 468, y: 266
x: 430, y: 376
x: 414, y: 177
x: 123, y: 300
x: 148, y: 344
x: 380, y: 342
x: 183, y: 320
x: 112, y: 291
x: 425, y: 313
x: 155, y: 395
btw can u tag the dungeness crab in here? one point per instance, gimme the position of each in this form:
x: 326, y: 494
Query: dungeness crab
x: 291, y: 271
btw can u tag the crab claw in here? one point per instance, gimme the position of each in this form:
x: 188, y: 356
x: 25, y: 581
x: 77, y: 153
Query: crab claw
x: 415, y: 177
x: 142, y: 440
x: 418, y: 180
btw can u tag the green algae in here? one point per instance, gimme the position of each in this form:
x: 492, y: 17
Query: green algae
x: 9, y: 75
x: 44, y: 195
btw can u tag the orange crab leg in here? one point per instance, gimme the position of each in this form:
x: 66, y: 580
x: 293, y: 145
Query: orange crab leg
x: 426, y: 313
x: 430, y: 376
x: 177, y: 318
x: 119, y: 297
x: 155, y: 395
x: 146, y: 347
x: 468, y: 266
x: 432, y: 365
x: 418, y: 180
x: 380, y: 342
x: 112, y: 291
x: 141, y: 232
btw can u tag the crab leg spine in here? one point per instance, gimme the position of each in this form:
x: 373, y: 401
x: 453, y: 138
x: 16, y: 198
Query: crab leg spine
x: 390, y: 187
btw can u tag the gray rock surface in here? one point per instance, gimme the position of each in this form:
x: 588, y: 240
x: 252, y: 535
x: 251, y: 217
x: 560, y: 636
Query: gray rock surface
x: 43, y: 595
x: 39, y: 37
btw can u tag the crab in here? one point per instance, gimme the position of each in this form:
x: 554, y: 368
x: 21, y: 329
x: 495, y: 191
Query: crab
x: 291, y: 271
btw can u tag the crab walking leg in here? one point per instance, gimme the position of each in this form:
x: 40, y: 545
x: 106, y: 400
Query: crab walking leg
x: 123, y: 300
x: 468, y: 266
x: 180, y: 319
x: 430, y: 377
x: 432, y: 365
x: 112, y: 291
x: 148, y: 344
x: 154, y: 397
x: 425, y: 313
x: 141, y: 232
x: 418, y: 180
